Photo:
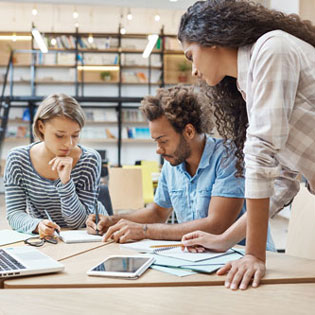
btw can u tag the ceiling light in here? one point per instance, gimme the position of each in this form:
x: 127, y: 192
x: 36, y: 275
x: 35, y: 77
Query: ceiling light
x: 157, y: 18
x: 173, y: 0
x: 34, y: 11
x: 75, y: 14
x: 39, y: 40
x: 76, y: 24
x: 129, y: 16
x: 122, y: 31
x: 15, y: 37
x: 152, y: 41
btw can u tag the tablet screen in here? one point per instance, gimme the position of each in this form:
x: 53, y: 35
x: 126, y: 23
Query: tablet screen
x: 121, y: 264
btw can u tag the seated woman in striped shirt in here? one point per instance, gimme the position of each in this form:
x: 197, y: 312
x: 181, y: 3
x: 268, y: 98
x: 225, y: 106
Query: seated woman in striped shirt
x: 55, y: 174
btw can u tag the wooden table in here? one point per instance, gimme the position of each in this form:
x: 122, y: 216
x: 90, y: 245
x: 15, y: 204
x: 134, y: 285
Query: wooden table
x: 280, y: 269
x: 267, y: 299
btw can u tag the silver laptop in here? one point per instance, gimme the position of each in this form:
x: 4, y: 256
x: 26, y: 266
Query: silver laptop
x: 24, y: 260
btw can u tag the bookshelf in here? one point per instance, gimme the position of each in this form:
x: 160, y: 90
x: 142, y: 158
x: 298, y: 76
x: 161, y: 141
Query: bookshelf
x: 107, y: 95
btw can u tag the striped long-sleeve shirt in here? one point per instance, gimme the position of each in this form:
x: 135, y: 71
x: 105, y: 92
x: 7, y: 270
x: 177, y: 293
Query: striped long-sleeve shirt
x: 28, y: 194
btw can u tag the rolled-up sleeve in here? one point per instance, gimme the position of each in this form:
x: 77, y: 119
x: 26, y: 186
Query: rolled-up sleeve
x: 271, y: 91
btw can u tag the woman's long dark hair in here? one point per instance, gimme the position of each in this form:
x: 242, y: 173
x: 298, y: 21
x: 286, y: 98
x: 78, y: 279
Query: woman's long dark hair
x: 235, y: 23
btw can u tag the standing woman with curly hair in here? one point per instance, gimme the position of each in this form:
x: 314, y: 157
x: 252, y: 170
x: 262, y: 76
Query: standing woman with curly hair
x: 259, y: 66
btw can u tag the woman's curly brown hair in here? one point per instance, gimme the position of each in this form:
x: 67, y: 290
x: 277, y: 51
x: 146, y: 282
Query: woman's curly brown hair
x: 181, y: 105
x: 235, y: 23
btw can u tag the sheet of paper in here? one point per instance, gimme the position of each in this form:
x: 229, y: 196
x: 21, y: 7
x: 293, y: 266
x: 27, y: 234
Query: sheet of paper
x: 79, y: 236
x: 207, y: 266
x: 177, y: 252
x: 169, y: 261
x: 217, y: 260
x: 10, y: 237
x: 144, y: 246
x: 174, y: 271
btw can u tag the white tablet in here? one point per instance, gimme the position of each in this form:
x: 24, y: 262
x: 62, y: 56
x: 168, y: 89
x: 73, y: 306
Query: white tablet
x: 130, y: 267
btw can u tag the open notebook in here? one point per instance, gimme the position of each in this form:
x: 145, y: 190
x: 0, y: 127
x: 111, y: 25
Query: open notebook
x: 10, y: 237
x: 79, y: 236
x: 175, y: 252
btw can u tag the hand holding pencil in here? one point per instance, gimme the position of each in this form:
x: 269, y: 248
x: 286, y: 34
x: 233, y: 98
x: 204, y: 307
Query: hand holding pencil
x: 98, y: 223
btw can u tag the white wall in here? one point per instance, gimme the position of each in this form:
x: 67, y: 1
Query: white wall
x: 287, y: 6
x: 58, y: 18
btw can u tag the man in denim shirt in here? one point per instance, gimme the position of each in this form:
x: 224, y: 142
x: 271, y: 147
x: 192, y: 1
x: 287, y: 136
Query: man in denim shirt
x: 197, y: 181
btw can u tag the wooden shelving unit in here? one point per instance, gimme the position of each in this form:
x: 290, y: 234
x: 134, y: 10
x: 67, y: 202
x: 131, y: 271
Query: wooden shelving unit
x: 167, y: 72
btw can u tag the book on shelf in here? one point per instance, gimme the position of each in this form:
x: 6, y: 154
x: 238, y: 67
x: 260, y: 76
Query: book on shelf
x: 103, y: 115
x: 132, y: 115
x: 89, y: 115
x: 134, y: 77
x: 138, y: 133
x: 65, y: 59
x: 101, y: 59
x: 100, y: 43
x: 62, y: 41
x: 21, y: 132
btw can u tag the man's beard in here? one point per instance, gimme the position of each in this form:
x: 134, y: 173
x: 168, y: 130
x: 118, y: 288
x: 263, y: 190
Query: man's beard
x: 181, y: 153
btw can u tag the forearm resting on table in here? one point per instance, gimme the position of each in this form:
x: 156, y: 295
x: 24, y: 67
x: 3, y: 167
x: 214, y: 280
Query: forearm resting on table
x: 150, y: 214
x: 177, y: 231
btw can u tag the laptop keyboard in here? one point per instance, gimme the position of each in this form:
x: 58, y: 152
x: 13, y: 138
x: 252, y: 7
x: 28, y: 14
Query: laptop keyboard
x: 7, y: 262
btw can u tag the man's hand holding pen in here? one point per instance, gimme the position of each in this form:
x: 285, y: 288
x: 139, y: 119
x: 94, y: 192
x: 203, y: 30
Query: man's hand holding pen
x: 99, y: 226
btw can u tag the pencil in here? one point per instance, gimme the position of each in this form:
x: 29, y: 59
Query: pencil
x: 96, y: 218
x: 170, y: 245
x: 49, y: 218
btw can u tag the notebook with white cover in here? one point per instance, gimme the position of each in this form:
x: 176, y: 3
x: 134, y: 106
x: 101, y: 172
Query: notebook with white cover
x: 79, y: 236
x: 10, y: 237
x: 26, y: 260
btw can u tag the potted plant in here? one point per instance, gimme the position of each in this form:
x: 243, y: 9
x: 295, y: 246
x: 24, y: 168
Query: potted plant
x: 106, y: 76
x: 183, y: 68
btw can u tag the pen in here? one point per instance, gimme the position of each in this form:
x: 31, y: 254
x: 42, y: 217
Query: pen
x: 49, y: 218
x: 96, y: 219
x: 170, y: 245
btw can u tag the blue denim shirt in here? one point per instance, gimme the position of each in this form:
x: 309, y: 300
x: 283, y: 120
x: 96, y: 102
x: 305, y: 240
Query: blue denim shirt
x: 190, y: 196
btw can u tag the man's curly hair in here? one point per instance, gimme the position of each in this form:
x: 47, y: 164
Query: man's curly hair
x: 181, y: 105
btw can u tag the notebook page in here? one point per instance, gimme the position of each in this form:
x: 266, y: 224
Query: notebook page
x: 10, y: 237
x: 178, y: 253
x: 79, y: 236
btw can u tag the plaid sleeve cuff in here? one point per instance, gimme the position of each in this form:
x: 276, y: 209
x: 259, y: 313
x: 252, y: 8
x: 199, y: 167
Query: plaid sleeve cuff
x: 258, y: 188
